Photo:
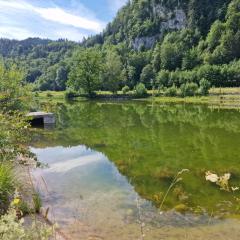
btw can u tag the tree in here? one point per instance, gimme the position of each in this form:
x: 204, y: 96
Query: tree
x: 61, y: 78
x: 14, y: 94
x: 170, y: 56
x: 191, y: 59
x: 112, y: 74
x: 204, y: 87
x: 140, y: 90
x: 163, y: 78
x: 148, y: 76
x: 85, y: 71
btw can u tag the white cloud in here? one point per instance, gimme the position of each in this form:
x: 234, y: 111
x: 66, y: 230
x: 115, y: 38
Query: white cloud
x: 60, y: 16
x: 16, y: 33
x: 54, y: 14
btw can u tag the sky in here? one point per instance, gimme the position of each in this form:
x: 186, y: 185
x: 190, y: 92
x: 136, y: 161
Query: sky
x: 54, y: 19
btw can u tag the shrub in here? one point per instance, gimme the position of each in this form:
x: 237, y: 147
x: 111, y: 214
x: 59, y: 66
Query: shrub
x: 69, y: 94
x: 125, y: 89
x: 6, y: 186
x: 172, y: 91
x: 189, y: 89
x: 11, y: 228
x: 140, y: 90
x: 37, y: 202
x: 204, y: 87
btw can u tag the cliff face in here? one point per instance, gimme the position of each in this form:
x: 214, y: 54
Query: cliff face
x: 143, y: 22
x: 171, y: 20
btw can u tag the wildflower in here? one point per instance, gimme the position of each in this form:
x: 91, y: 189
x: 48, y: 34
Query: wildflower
x: 16, y: 201
x: 212, y: 177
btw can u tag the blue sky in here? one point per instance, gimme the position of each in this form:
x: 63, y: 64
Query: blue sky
x: 54, y: 19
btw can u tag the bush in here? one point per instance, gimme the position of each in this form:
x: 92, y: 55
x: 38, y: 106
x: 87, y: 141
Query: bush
x: 189, y: 89
x: 6, y: 186
x: 140, y: 90
x: 11, y: 228
x: 69, y: 94
x: 37, y: 202
x: 125, y: 89
x: 171, y: 92
x: 204, y: 87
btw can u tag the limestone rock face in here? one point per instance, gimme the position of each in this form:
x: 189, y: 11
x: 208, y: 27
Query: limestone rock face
x: 171, y: 20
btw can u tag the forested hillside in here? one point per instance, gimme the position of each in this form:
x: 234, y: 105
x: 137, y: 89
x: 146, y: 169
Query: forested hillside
x: 181, y: 46
x: 43, y: 61
x: 141, y: 23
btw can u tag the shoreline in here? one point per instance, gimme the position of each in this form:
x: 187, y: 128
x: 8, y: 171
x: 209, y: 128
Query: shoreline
x: 228, y: 98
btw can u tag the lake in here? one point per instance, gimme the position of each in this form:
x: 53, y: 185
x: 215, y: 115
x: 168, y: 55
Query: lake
x: 109, y: 166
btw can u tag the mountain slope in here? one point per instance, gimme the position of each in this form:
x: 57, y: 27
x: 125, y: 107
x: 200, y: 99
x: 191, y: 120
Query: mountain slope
x: 43, y: 60
x: 143, y: 22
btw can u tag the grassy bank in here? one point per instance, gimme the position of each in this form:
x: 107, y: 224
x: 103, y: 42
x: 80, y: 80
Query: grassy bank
x: 224, y: 97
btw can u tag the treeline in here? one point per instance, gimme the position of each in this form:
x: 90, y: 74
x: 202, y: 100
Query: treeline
x: 44, y: 62
x: 183, y: 62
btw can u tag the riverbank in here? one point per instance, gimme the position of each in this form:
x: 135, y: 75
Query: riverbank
x: 218, y: 97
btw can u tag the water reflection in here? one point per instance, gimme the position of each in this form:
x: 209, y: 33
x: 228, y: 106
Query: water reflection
x: 138, y: 149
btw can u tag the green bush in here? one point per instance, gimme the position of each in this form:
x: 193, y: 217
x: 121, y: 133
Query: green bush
x: 188, y: 89
x: 6, y: 186
x: 140, y: 90
x: 11, y: 228
x: 37, y: 202
x: 69, y: 94
x: 171, y: 92
x: 204, y: 87
x: 125, y: 89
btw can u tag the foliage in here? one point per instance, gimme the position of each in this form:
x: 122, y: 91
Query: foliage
x: 37, y: 202
x: 85, y: 71
x: 139, y: 18
x: 189, y: 89
x: 148, y: 76
x: 140, y: 90
x: 13, y: 128
x: 11, y: 228
x: 204, y: 87
x: 6, y: 185
x: 14, y: 95
x: 112, y: 73
x: 69, y: 94
x: 125, y: 89
x: 45, y: 62
x: 172, y: 91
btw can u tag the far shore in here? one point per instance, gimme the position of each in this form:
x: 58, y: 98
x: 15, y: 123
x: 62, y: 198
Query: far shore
x: 223, y: 97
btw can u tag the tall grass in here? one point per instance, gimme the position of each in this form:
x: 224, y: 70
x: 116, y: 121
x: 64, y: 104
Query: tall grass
x: 6, y: 185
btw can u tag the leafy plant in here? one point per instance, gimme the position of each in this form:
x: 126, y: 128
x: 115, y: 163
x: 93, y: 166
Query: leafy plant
x: 172, y: 91
x: 37, y: 202
x: 11, y: 228
x: 6, y: 185
x: 125, y: 89
x: 189, y: 89
x: 204, y: 87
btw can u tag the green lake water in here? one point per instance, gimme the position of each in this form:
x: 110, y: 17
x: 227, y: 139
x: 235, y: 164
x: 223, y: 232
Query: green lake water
x: 110, y: 164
